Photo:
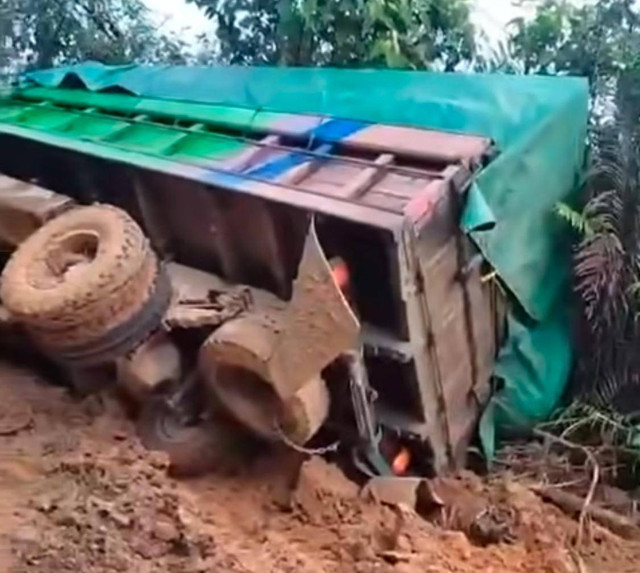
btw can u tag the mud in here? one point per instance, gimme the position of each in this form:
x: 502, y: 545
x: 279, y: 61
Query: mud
x: 79, y: 493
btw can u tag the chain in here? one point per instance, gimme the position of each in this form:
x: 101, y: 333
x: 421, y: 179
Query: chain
x: 302, y: 450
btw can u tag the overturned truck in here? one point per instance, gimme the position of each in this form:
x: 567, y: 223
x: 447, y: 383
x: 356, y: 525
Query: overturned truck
x: 277, y: 246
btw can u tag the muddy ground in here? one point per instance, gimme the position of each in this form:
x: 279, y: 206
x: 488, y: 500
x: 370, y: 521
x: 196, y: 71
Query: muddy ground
x: 78, y: 493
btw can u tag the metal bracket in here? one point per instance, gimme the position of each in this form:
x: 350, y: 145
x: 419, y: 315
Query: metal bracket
x: 366, y: 455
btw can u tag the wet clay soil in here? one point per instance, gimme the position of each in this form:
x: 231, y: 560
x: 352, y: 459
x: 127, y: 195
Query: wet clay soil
x: 78, y: 493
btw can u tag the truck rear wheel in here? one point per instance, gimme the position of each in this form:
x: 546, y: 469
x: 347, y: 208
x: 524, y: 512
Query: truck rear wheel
x: 87, y: 286
x: 82, y: 262
x: 111, y: 311
x: 105, y: 346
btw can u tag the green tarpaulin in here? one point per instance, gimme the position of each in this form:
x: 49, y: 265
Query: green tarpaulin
x: 539, y: 126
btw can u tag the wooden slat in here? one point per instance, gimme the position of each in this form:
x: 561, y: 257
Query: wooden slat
x: 297, y: 175
x: 384, y: 201
x: 402, y: 185
x: 419, y: 143
x: 254, y: 155
x: 368, y: 177
x: 336, y: 173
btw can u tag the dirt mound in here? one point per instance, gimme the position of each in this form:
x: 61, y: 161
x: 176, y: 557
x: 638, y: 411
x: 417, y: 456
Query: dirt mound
x: 79, y: 493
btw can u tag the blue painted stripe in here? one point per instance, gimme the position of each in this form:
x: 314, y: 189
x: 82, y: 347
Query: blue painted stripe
x: 275, y: 168
x: 334, y: 130
x: 327, y: 133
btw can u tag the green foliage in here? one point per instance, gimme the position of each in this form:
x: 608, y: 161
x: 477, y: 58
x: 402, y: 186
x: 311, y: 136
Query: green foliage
x: 600, y: 40
x: 44, y: 33
x: 607, y: 271
x: 597, y: 40
x: 535, y: 43
x: 392, y: 33
x: 578, y: 221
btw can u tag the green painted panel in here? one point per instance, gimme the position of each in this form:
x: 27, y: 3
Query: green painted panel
x: 10, y: 110
x: 45, y: 118
x: 196, y: 146
x: 224, y: 116
x: 134, y: 132
x: 144, y: 137
x: 93, y: 127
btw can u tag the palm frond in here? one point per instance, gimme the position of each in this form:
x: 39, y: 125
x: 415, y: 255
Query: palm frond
x: 600, y: 280
x: 607, y: 262
x: 579, y: 222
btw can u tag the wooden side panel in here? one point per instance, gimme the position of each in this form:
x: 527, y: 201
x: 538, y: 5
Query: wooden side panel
x: 461, y: 324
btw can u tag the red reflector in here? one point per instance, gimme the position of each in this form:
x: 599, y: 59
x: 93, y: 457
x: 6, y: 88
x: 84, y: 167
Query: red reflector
x: 340, y: 272
x: 401, y: 462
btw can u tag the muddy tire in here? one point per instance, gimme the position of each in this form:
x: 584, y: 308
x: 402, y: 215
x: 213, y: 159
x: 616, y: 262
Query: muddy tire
x: 234, y: 364
x: 247, y: 398
x: 254, y: 403
x: 302, y: 415
x: 86, y: 286
x: 123, y: 338
x: 193, y: 450
x: 76, y: 266
x: 114, y: 310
